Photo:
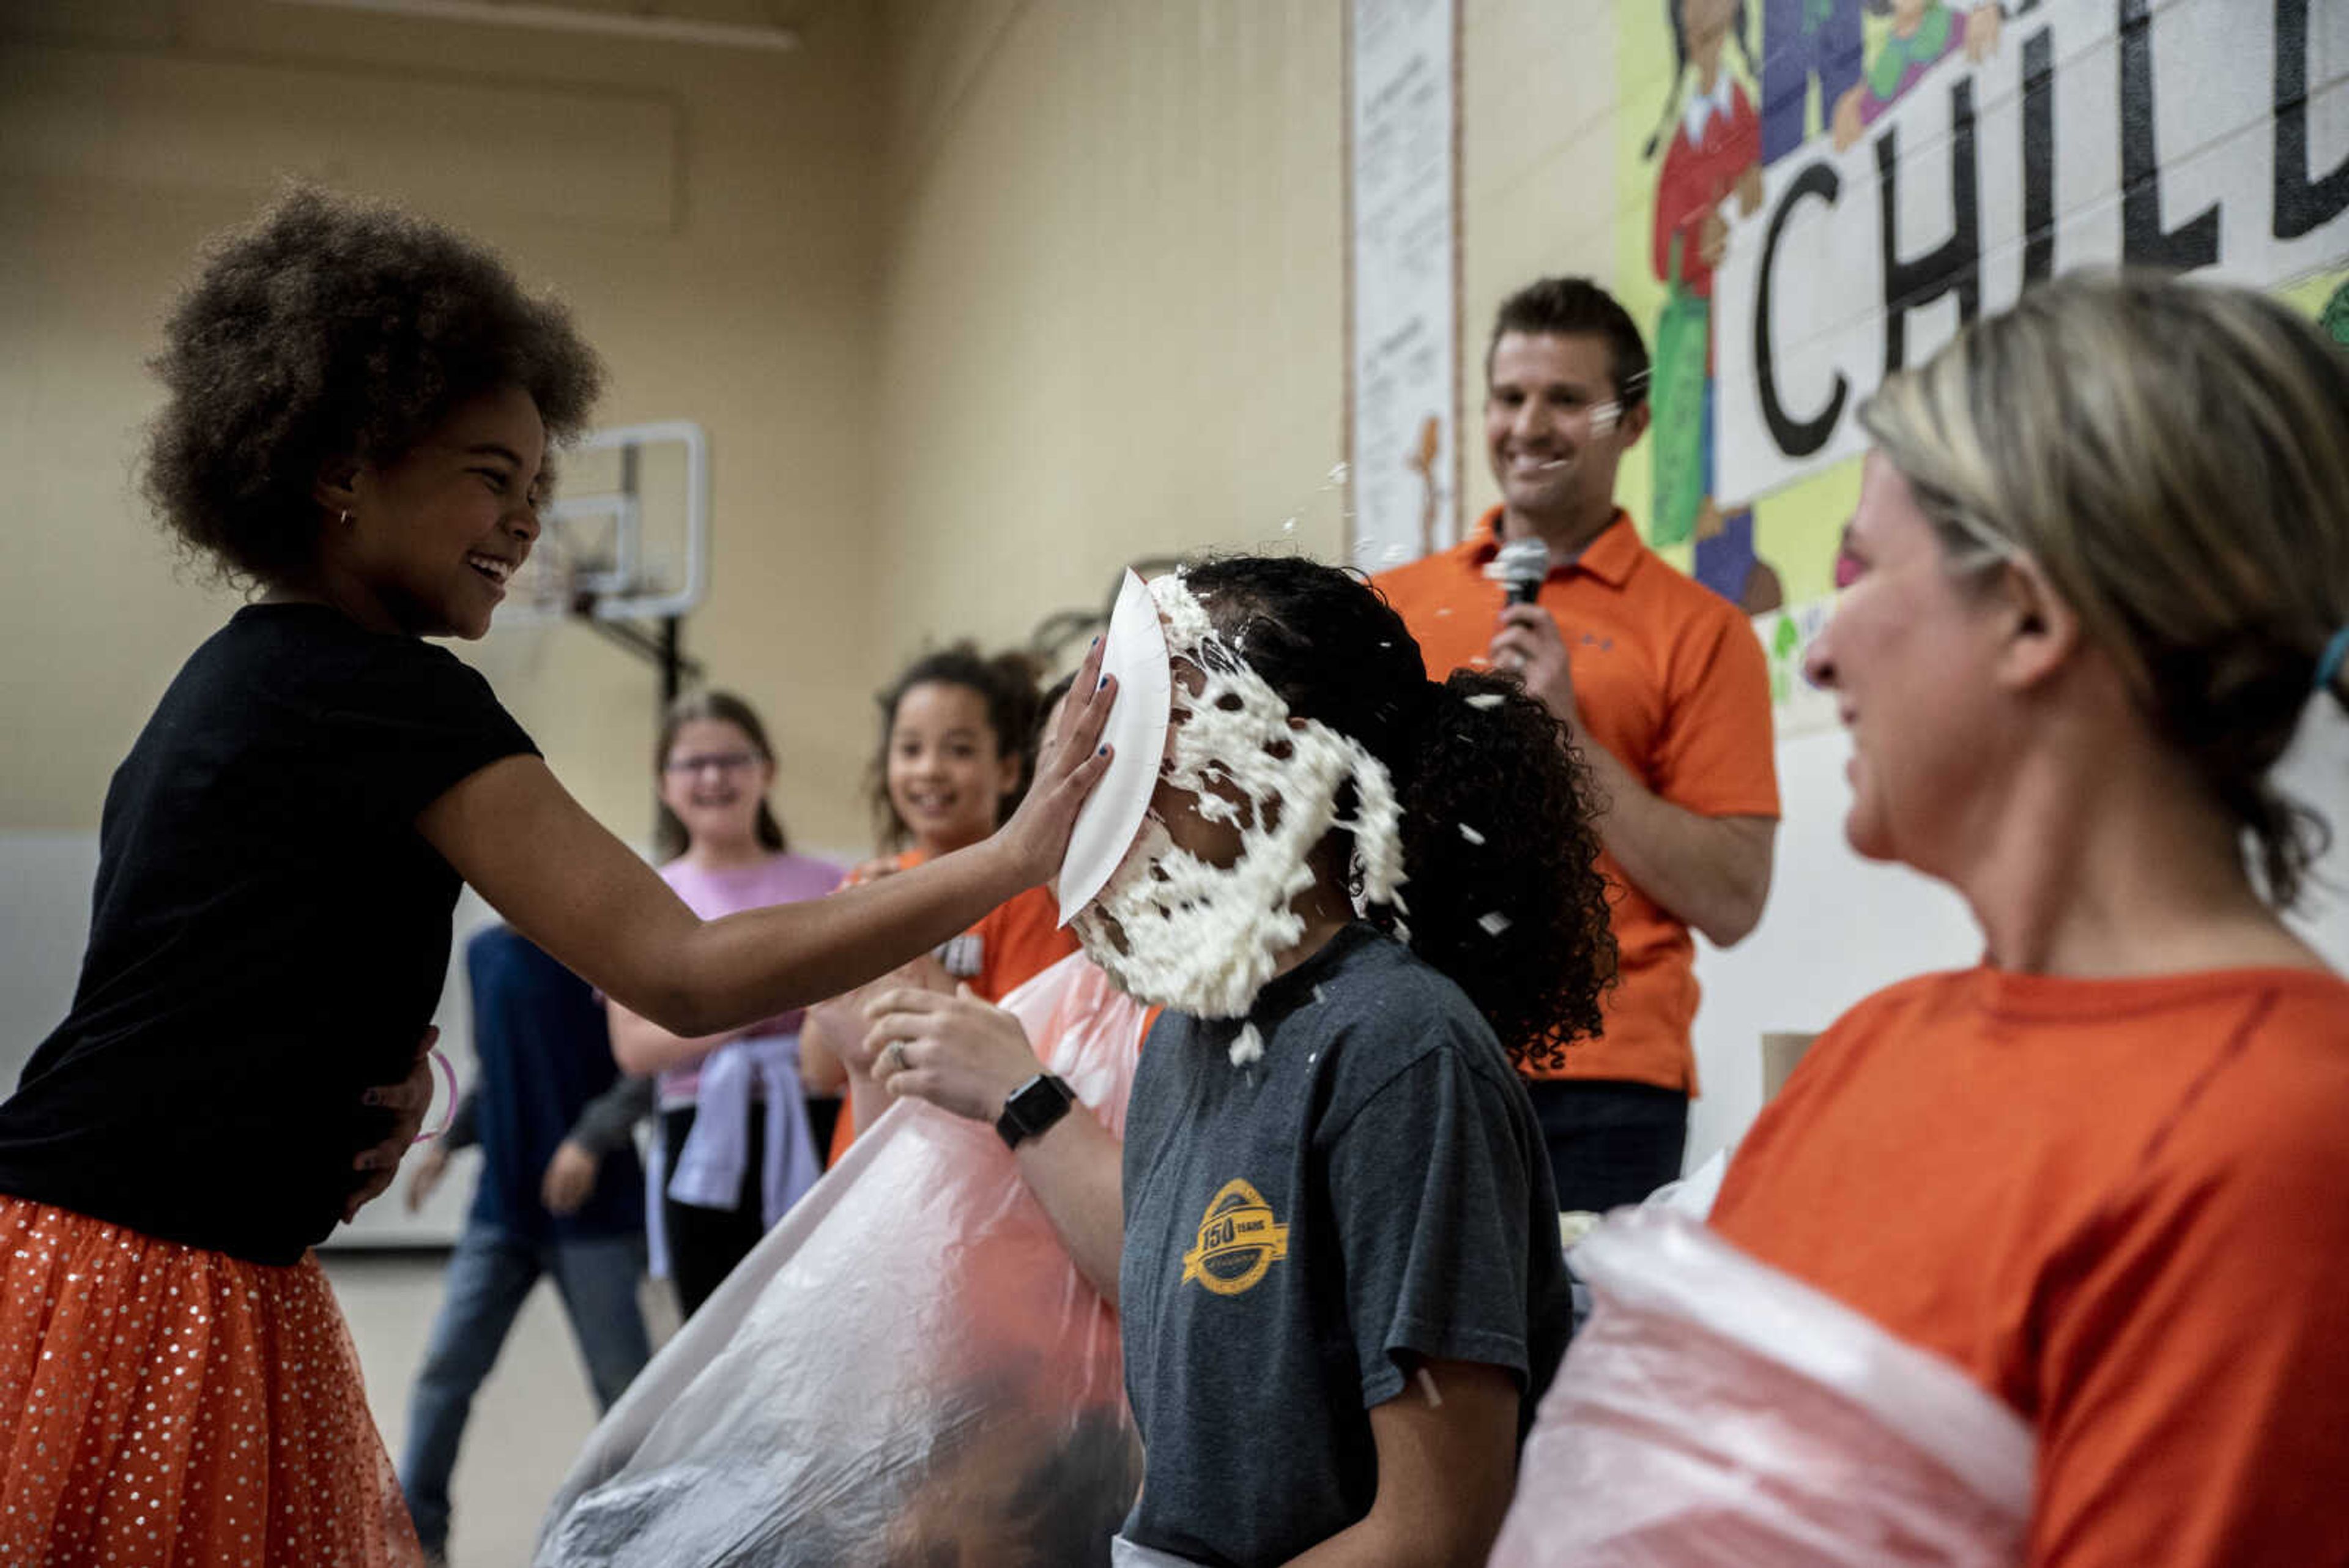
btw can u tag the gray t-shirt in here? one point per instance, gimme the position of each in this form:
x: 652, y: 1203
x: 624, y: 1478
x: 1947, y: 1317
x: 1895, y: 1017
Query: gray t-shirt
x: 1300, y: 1231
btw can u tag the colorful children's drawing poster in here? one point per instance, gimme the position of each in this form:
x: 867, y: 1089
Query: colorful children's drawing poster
x: 1817, y: 192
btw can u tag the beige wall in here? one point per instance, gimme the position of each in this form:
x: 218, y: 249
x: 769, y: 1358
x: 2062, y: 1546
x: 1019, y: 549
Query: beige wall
x: 709, y: 213
x: 1111, y: 303
x: 1537, y: 179
x: 1113, y: 309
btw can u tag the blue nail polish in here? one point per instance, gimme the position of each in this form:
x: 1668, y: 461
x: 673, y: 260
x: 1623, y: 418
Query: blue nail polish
x: 1103, y: 752
x: 1104, y: 684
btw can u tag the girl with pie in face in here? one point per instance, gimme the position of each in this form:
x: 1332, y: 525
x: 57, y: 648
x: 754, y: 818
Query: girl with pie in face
x: 359, y: 409
x: 1340, y: 1278
x: 2099, y: 570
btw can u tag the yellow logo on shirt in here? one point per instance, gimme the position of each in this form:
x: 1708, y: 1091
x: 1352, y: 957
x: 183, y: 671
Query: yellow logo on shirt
x: 1239, y: 1242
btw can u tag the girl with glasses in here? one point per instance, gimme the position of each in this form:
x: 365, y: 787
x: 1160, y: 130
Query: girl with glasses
x: 736, y: 1145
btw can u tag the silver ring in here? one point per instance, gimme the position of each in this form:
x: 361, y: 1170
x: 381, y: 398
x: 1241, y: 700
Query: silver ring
x: 893, y: 1054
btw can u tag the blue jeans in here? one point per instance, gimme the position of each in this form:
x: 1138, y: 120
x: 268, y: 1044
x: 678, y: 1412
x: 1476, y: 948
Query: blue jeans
x: 490, y: 1275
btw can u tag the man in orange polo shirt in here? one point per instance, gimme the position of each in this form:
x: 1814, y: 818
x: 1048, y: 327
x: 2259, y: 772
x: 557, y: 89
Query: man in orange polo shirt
x: 1665, y: 690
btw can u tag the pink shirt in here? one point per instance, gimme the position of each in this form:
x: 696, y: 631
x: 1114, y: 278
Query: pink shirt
x: 778, y: 879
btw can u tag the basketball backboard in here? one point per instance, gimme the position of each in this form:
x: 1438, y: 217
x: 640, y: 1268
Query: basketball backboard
x: 627, y: 535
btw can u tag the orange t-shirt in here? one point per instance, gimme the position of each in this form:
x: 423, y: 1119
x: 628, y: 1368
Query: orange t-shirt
x: 2121, y: 1206
x: 1018, y: 939
x: 1670, y: 678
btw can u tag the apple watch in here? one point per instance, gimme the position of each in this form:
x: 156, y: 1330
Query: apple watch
x: 1032, y: 1107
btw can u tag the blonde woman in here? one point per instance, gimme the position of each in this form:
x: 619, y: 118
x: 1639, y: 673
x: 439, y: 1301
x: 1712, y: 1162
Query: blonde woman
x: 2101, y: 562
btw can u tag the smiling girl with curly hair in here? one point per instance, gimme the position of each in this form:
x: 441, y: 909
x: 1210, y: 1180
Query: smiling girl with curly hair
x: 360, y: 407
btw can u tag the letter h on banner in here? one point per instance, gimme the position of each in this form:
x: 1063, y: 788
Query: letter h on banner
x: 1956, y: 263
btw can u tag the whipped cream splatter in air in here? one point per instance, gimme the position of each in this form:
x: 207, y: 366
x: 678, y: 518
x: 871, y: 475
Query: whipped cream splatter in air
x: 1177, y: 931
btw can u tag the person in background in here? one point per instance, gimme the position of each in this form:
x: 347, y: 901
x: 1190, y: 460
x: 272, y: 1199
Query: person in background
x: 1665, y: 690
x: 956, y: 745
x: 2100, y: 567
x: 736, y: 1145
x: 971, y: 1058
x: 560, y: 1195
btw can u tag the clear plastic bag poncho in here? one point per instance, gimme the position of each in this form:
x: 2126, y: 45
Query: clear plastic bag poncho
x: 1717, y: 1412
x: 908, y: 1370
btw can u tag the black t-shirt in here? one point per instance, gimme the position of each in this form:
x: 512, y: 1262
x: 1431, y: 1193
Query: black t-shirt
x: 268, y: 938
x: 1371, y: 1193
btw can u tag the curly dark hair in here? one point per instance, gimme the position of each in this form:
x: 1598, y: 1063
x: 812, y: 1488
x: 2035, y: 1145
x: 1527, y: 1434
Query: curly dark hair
x: 1005, y: 681
x: 1504, y: 895
x: 330, y: 330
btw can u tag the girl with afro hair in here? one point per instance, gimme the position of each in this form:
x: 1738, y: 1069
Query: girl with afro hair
x: 359, y: 409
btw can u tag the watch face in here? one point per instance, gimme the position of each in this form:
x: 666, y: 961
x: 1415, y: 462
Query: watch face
x: 1033, y: 1106
x: 1039, y: 1103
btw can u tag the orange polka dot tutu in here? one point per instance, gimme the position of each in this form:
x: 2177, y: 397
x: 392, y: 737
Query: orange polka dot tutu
x: 166, y: 1407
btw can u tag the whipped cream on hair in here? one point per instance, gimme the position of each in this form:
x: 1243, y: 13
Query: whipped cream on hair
x: 1176, y: 931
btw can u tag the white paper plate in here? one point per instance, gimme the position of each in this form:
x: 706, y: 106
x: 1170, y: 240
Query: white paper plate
x: 1134, y: 651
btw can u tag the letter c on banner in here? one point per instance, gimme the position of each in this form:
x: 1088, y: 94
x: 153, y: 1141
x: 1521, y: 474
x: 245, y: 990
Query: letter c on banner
x: 1796, y: 438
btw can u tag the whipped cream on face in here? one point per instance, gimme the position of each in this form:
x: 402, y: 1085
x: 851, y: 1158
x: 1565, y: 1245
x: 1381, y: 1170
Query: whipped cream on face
x: 1176, y: 931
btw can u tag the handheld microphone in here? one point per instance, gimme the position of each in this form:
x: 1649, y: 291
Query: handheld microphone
x: 1522, y: 566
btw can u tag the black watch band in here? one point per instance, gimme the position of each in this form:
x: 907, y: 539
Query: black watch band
x: 1032, y: 1107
